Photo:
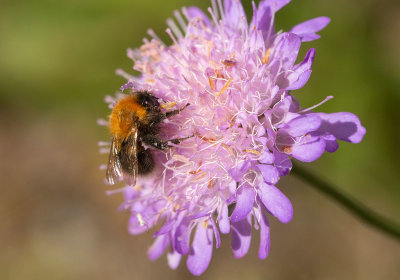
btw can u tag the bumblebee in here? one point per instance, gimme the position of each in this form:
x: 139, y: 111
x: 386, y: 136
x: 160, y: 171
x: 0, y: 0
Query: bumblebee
x: 133, y: 121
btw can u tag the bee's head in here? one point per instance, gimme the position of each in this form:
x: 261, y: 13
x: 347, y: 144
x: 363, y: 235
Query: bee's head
x: 148, y: 101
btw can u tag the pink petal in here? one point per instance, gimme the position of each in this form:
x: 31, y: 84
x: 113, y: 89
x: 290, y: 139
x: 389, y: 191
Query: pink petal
x: 235, y: 16
x: 276, y: 203
x: 306, y: 30
x: 201, y: 250
x: 241, y: 237
x: 244, y: 203
x: 158, y: 247
x: 182, y: 237
x: 302, y: 125
x: 269, y: 173
x: 223, y: 219
x: 173, y: 258
x: 344, y: 126
x: 301, y: 72
x: 264, y: 247
x: 194, y: 12
x: 309, y: 149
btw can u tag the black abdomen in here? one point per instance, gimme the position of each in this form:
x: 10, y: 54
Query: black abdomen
x: 145, y: 161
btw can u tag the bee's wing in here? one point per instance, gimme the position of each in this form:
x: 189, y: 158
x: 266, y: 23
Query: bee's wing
x: 130, y: 154
x: 114, y: 168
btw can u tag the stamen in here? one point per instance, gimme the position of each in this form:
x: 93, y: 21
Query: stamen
x: 270, y: 25
x: 104, y: 150
x: 265, y: 58
x: 115, y: 191
x: 214, y: 8
x: 319, y: 104
x: 102, y: 122
x: 214, y: 18
x: 180, y: 158
x: 202, y: 174
x: 153, y: 35
x: 211, y: 82
x: 174, y: 28
x: 225, y: 87
x: 180, y: 20
x: 172, y: 36
x: 123, y: 74
x: 103, y: 143
x: 210, y: 183
x: 168, y: 106
x: 252, y: 151
x: 103, y: 167
x: 221, y: 11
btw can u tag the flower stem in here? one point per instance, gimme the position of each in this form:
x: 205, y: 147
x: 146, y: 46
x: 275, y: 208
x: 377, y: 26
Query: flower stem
x: 350, y: 203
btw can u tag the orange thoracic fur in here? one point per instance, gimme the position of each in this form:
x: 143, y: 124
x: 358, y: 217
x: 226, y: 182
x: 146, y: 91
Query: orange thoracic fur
x: 122, y: 118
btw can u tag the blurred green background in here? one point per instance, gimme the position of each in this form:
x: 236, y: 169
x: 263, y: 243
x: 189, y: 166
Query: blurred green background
x: 57, y: 62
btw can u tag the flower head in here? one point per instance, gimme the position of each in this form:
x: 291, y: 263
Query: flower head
x: 246, y: 126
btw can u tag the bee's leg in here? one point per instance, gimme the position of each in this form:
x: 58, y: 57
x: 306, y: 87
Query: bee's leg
x: 175, y: 112
x: 153, y: 141
x: 178, y: 140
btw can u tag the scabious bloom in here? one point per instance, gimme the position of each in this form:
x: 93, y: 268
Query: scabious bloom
x: 238, y: 78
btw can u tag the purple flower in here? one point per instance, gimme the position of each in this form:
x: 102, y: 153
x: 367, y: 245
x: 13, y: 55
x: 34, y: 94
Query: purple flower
x: 246, y: 124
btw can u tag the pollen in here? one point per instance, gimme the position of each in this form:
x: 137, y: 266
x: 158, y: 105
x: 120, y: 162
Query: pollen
x: 287, y: 149
x: 168, y: 105
x: 176, y: 207
x: 201, y: 176
x: 229, y: 62
x: 265, y: 58
x: 225, y: 87
x: 211, y: 82
x: 252, y: 151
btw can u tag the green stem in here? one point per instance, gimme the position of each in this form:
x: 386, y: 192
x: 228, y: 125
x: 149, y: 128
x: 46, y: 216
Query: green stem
x: 357, y: 208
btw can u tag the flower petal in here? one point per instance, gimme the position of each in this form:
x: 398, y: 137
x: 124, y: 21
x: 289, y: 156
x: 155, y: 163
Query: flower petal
x: 182, y: 237
x: 302, y: 125
x: 241, y: 237
x: 286, y: 49
x: 276, y: 203
x: 263, y: 250
x: 306, y: 30
x: 301, y: 72
x: 282, y: 163
x: 331, y: 145
x: 158, y: 247
x: 201, y: 250
x: 234, y: 14
x: 263, y: 16
x: 266, y: 157
x: 269, y: 173
x: 309, y: 149
x: 223, y: 219
x: 216, y: 233
x: 244, y: 203
x: 344, y: 126
x: 173, y: 258
x: 194, y: 12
